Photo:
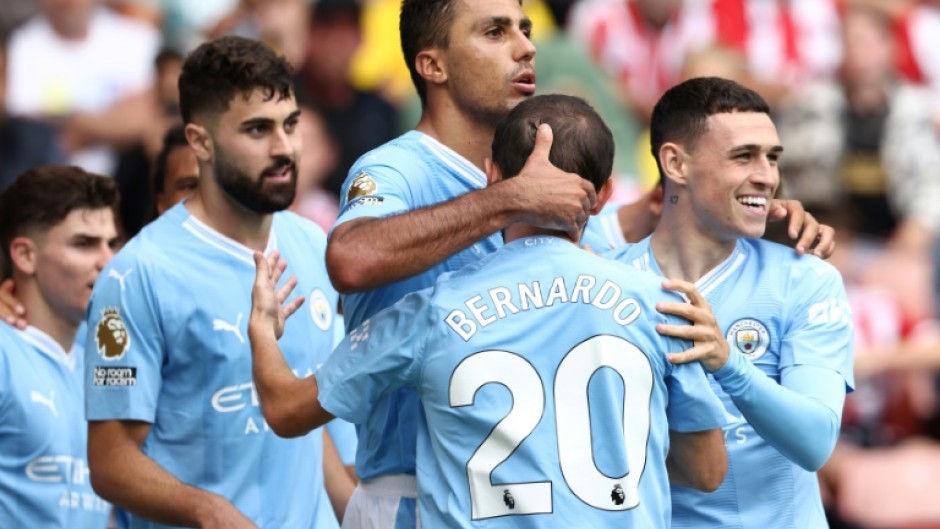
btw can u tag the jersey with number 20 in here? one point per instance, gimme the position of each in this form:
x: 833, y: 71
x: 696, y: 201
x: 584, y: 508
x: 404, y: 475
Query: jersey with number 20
x: 545, y: 388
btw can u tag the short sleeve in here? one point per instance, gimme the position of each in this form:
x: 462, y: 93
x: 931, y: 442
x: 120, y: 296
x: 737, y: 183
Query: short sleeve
x: 384, y: 353
x: 819, y: 322
x: 375, y: 188
x: 124, y: 347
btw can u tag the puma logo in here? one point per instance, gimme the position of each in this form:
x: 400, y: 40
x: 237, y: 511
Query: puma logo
x: 222, y: 325
x: 112, y: 273
x: 39, y: 398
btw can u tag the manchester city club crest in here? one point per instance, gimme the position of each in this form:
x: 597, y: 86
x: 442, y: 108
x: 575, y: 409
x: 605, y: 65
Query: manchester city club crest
x: 320, y: 309
x: 750, y: 337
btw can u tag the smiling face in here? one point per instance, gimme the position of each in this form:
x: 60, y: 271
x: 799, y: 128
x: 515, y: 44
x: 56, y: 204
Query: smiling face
x: 255, y: 149
x: 490, y: 60
x: 732, y: 174
x: 70, y: 255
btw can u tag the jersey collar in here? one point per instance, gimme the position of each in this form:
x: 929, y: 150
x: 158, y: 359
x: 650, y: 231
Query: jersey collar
x: 460, y: 165
x: 233, y: 248
x: 47, y: 346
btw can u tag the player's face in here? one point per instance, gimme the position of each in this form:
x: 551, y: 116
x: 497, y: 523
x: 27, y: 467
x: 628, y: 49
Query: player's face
x: 182, y: 178
x: 490, y: 59
x: 256, y: 149
x: 71, y: 254
x: 733, y: 174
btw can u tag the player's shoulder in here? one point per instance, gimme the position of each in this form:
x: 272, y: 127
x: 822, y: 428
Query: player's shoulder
x: 401, y: 153
x: 770, y: 256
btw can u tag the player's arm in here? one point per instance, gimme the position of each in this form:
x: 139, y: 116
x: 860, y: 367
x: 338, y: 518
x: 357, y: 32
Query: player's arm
x: 11, y: 309
x: 339, y: 484
x: 800, y: 417
x: 367, y: 253
x: 289, y: 404
x: 122, y: 474
x: 697, y: 459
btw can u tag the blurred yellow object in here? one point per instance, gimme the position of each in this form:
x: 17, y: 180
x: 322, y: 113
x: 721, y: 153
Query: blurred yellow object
x: 379, y: 64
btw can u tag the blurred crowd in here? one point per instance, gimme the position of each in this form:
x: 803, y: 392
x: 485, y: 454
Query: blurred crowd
x: 854, y: 85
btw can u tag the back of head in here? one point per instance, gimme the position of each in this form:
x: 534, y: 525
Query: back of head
x: 43, y: 197
x: 681, y: 114
x: 218, y: 70
x: 424, y: 24
x: 582, y: 142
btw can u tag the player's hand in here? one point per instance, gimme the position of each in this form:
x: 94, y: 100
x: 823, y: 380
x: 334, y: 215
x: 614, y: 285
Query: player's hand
x: 549, y: 197
x: 268, y: 307
x: 709, y: 344
x: 802, y: 227
x: 219, y: 513
x: 11, y: 310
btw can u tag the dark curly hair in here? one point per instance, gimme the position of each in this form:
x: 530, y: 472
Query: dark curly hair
x: 218, y: 70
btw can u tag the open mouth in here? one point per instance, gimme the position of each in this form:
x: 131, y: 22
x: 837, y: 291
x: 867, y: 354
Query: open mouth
x: 280, y: 173
x: 755, y: 202
x: 525, y: 82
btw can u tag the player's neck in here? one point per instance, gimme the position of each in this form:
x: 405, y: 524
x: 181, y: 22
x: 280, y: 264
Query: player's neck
x: 42, y: 316
x: 520, y: 231
x: 684, y: 251
x: 470, y: 139
x: 210, y: 205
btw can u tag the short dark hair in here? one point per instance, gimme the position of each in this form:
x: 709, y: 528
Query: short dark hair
x: 218, y: 70
x: 424, y: 24
x: 681, y: 113
x: 43, y: 197
x: 582, y: 144
x: 173, y: 139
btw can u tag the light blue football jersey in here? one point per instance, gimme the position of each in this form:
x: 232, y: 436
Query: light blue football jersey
x: 602, y: 232
x: 168, y: 345
x: 411, y: 172
x: 544, y: 385
x: 44, y: 478
x: 778, y: 310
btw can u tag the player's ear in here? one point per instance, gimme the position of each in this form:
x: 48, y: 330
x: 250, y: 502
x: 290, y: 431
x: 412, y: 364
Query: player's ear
x: 493, y: 172
x: 198, y: 138
x: 672, y: 159
x: 603, y: 195
x: 24, y: 253
x: 430, y: 66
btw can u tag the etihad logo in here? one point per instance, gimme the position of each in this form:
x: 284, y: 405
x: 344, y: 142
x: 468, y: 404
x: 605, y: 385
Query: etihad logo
x: 362, y: 185
x: 111, y: 337
x: 222, y: 325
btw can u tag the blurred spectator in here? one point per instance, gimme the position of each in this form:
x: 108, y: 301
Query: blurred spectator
x: 175, y: 171
x: 563, y: 67
x: 75, y: 58
x: 281, y: 24
x: 153, y: 112
x: 183, y: 23
x: 318, y: 160
x: 785, y: 42
x: 14, y: 13
x: 24, y: 144
x: 358, y: 120
x: 641, y: 43
x: 867, y: 139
